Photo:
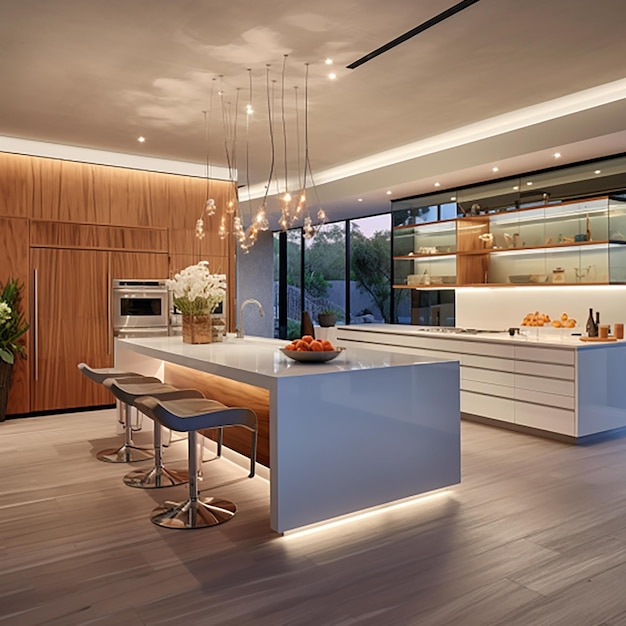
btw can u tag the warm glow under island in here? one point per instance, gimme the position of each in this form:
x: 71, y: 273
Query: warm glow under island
x: 366, y: 429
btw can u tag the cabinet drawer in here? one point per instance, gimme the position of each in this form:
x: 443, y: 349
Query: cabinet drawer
x: 545, y: 355
x: 547, y: 399
x: 502, y: 409
x: 545, y: 385
x: 551, y: 370
x: 488, y: 389
x: 494, y: 377
x: 545, y: 418
x: 487, y: 362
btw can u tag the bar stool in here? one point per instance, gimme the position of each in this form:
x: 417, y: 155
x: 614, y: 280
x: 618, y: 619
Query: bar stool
x: 128, y: 390
x: 190, y: 415
x: 128, y: 452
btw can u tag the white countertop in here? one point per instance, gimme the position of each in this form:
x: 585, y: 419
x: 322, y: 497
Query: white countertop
x: 539, y: 336
x: 256, y: 360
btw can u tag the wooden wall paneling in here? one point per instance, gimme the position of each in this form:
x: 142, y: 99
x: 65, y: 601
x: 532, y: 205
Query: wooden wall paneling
x: 16, y: 185
x: 138, y: 198
x: 139, y: 265
x: 14, y: 263
x: 71, y: 325
x: 65, y: 191
x: 230, y: 393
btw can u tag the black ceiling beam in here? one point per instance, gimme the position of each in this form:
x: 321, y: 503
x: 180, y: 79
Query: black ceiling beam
x: 444, y: 15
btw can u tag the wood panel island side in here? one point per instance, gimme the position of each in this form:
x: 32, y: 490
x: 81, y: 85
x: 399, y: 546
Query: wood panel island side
x: 369, y: 428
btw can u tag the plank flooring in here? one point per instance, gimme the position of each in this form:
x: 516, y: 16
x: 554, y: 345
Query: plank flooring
x: 534, y: 535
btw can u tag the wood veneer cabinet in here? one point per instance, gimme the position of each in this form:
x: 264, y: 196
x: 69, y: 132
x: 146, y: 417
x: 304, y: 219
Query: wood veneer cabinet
x: 70, y: 324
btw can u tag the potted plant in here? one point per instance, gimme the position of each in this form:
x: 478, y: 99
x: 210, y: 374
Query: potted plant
x: 327, y: 318
x: 12, y: 327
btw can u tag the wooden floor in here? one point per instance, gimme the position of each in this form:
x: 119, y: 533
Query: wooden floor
x: 534, y: 535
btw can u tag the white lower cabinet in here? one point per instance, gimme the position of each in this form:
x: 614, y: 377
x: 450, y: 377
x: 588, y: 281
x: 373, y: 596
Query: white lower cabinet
x: 569, y: 389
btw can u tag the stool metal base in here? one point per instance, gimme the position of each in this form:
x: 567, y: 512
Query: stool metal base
x: 156, y: 478
x: 201, y: 513
x: 124, y: 454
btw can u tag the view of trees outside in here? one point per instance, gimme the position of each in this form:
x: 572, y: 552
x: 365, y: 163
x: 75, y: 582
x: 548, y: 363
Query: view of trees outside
x: 325, y: 273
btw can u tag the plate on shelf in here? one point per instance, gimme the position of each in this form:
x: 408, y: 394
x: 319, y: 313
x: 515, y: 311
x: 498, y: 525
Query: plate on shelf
x: 312, y: 356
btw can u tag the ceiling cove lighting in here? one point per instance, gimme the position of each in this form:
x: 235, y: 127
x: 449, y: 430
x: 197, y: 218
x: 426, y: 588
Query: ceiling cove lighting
x: 557, y: 155
x: 433, y: 21
x: 495, y: 169
x: 388, y: 192
x: 141, y: 139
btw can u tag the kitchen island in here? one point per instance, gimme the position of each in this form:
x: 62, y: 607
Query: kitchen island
x: 369, y: 428
x: 545, y: 381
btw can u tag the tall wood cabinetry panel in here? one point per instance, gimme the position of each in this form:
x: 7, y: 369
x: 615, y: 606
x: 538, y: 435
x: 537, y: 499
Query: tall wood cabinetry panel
x: 14, y: 264
x: 70, y: 325
x: 139, y: 265
x: 16, y: 185
x: 67, y: 191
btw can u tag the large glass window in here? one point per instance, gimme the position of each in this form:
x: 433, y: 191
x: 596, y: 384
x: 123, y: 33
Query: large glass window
x: 370, y: 269
x: 325, y: 272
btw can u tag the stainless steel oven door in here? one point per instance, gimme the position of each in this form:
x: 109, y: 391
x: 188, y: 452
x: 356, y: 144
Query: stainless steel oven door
x: 134, y: 307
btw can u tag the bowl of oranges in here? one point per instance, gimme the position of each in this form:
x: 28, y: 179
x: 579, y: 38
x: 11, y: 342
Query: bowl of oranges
x: 310, y: 350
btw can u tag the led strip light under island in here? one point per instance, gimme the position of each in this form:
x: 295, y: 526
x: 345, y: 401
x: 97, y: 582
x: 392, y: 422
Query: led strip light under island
x: 366, y: 429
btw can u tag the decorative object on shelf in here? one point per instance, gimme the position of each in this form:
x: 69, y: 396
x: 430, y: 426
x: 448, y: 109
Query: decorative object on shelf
x: 583, y: 273
x: 197, y: 293
x: 327, y: 318
x: 619, y: 330
x: 588, y: 228
x: 12, y: 328
x: 558, y: 276
x: 486, y: 239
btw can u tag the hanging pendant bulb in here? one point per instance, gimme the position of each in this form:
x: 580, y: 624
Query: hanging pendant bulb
x: 200, y: 229
x: 260, y: 219
x: 222, y: 231
x: 210, y: 207
x: 230, y: 207
x: 321, y: 216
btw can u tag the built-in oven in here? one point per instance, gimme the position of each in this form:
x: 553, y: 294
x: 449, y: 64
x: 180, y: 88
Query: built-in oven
x: 140, y: 307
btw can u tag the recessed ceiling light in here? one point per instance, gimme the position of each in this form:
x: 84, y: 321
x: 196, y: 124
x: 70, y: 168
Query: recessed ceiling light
x: 388, y: 192
x: 332, y: 76
x: 360, y: 200
x: 141, y: 139
x: 495, y: 169
x: 598, y: 172
x: 516, y: 188
x: 328, y: 61
x: 557, y: 155
x: 453, y: 198
x: 437, y: 184
x: 530, y: 182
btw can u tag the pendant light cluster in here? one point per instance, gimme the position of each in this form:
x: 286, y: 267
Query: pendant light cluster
x: 293, y: 207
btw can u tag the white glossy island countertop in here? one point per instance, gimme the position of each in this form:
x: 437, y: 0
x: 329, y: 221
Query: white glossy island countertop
x: 257, y: 361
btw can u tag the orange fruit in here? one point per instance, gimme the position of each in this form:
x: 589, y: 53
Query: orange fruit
x: 302, y: 345
x: 290, y: 346
x: 307, y: 338
x: 316, y: 346
x: 327, y: 346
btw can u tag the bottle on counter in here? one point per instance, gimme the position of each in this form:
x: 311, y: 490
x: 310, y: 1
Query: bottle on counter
x: 592, y: 325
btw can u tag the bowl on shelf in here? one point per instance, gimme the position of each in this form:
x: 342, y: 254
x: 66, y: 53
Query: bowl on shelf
x: 312, y: 356
x: 528, y: 278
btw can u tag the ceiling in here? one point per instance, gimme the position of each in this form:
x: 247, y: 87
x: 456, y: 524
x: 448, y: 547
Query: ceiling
x: 443, y: 107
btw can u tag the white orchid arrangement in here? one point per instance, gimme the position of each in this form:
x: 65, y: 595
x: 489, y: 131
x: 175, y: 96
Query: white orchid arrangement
x: 197, y: 291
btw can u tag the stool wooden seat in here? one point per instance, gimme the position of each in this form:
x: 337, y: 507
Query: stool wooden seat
x: 128, y: 452
x: 128, y: 390
x: 190, y: 415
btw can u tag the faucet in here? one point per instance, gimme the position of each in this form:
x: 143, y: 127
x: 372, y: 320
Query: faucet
x: 249, y: 301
